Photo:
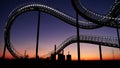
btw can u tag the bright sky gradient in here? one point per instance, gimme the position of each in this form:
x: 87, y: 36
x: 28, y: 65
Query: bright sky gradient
x: 54, y: 31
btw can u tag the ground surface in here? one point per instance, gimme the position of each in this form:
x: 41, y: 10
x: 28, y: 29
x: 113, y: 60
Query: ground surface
x: 47, y: 63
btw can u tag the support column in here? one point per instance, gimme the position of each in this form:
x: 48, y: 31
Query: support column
x: 100, y: 51
x: 78, y: 45
x: 37, y: 40
x: 3, y: 57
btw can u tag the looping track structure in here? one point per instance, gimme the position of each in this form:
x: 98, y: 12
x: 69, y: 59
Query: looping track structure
x: 96, y: 21
x: 108, y: 20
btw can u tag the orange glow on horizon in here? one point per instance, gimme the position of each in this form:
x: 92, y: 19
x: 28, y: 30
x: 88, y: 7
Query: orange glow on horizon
x: 74, y: 58
x: 88, y: 53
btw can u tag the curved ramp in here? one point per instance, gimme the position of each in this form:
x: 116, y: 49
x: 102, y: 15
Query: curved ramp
x: 92, y: 39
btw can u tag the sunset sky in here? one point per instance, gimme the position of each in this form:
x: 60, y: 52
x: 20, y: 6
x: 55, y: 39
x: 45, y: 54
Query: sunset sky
x: 54, y: 31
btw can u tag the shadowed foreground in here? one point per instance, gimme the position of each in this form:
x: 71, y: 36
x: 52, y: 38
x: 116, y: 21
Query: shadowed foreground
x: 48, y: 63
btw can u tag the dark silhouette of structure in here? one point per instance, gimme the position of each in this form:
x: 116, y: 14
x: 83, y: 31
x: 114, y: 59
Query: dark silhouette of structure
x: 37, y: 41
x: 53, y: 56
x: 97, y: 21
x: 61, y: 57
x: 78, y: 43
x: 68, y: 57
x: 100, y: 50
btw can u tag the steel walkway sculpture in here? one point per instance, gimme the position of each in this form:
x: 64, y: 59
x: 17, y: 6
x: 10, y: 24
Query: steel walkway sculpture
x: 96, y: 21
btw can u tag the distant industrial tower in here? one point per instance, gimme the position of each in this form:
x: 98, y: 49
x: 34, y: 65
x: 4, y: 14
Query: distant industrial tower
x: 53, y: 56
x: 61, y: 56
x: 68, y: 57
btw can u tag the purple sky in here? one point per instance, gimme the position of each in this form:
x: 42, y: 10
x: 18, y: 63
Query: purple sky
x: 52, y: 30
